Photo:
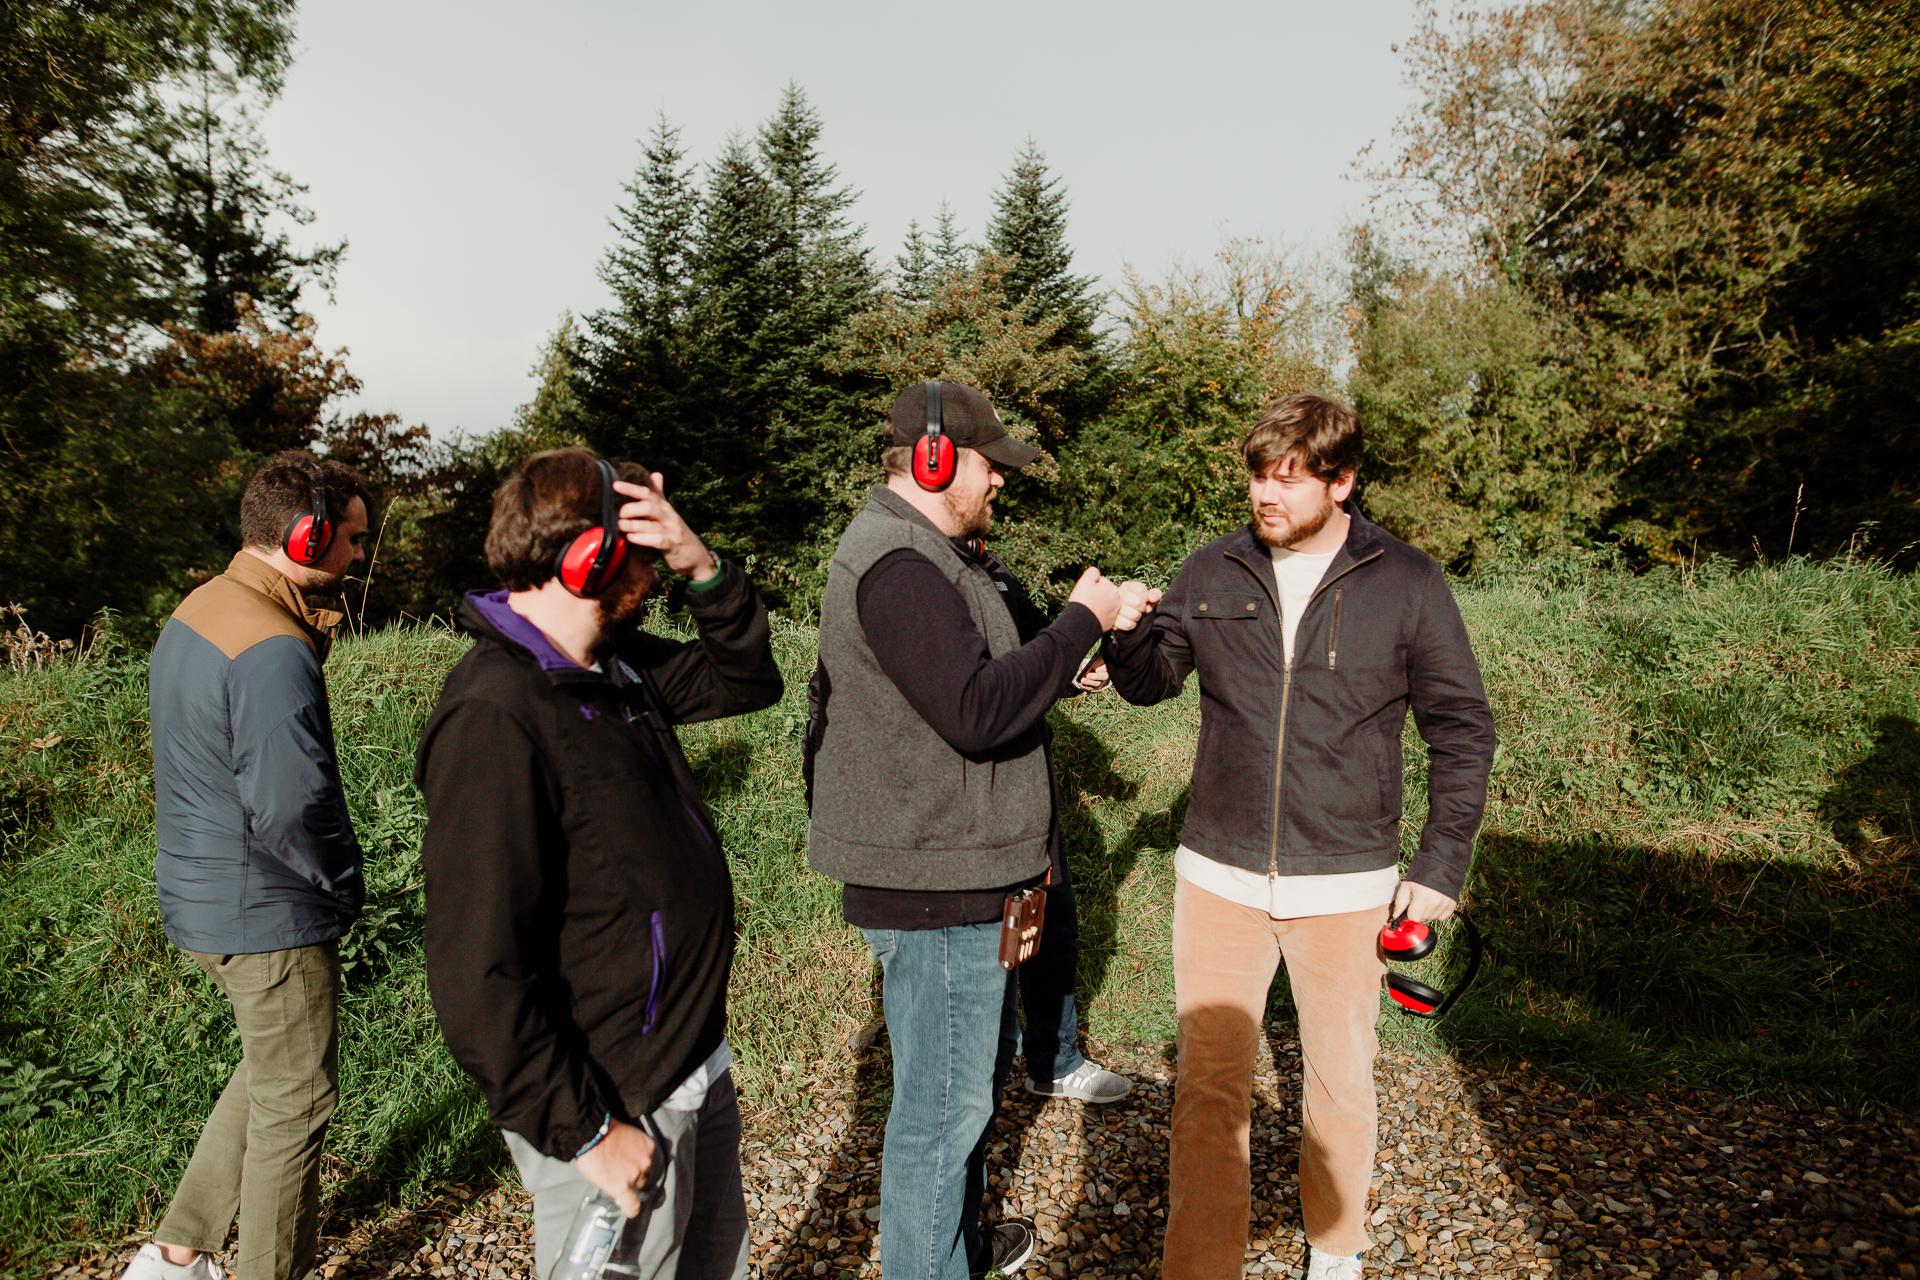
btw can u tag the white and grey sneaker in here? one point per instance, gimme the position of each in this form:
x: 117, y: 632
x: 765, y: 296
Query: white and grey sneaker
x: 1332, y: 1266
x: 1089, y: 1083
x: 151, y: 1264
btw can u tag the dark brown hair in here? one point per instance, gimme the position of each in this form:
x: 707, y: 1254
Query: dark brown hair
x: 552, y: 499
x: 281, y: 491
x: 1324, y: 433
x: 896, y: 459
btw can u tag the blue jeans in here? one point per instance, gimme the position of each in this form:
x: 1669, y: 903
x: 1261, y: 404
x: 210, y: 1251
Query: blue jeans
x: 1052, y: 1038
x: 950, y: 1018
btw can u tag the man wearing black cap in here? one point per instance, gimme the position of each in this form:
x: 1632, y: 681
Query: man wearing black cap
x: 933, y: 800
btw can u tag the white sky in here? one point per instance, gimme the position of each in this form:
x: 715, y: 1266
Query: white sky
x: 473, y: 152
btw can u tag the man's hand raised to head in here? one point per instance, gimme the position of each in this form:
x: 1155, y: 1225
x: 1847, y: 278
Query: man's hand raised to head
x: 649, y: 520
x: 618, y: 1164
x: 1097, y: 592
x: 1135, y: 599
x: 1417, y: 902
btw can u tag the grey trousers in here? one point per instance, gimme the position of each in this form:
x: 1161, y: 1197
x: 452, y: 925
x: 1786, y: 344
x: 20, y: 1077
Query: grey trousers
x: 698, y: 1232
x: 259, y: 1152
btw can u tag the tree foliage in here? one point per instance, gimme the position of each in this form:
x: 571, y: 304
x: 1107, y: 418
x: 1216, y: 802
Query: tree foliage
x: 1706, y: 205
x: 114, y: 415
x: 710, y: 365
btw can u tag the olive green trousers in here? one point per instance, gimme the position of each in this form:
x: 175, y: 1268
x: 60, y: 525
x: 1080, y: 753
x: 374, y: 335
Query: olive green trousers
x: 259, y: 1152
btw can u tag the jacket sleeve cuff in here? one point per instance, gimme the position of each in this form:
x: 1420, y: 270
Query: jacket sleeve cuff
x: 1080, y: 626
x: 1439, y: 873
x: 720, y: 594
x: 709, y: 583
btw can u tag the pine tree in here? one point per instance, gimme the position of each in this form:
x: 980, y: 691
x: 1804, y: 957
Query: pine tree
x: 814, y: 426
x: 950, y: 256
x: 633, y: 370
x: 913, y: 268
x: 204, y: 185
x: 1029, y: 226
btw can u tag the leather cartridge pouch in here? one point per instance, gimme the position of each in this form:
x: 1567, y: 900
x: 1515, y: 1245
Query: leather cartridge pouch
x: 1021, y: 918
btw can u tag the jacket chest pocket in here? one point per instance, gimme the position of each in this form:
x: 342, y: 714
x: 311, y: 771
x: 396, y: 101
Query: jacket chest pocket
x: 1228, y: 623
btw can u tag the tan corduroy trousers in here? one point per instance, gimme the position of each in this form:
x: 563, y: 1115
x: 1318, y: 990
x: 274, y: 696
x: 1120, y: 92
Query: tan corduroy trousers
x: 1224, y: 959
x: 259, y: 1152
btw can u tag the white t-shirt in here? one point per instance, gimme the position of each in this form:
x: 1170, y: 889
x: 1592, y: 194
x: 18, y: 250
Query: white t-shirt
x: 1296, y: 575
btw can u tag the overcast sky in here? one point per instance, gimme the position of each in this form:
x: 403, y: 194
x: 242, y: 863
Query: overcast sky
x: 472, y: 153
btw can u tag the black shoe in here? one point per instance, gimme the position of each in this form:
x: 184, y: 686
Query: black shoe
x: 1007, y: 1248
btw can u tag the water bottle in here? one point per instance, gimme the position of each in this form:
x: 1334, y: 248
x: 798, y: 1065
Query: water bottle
x: 594, y: 1245
x: 603, y: 1241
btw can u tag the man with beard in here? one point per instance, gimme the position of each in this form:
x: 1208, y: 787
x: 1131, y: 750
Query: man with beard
x: 1313, y: 633
x: 579, y: 908
x: 258, y: 871
x: 933, y: 800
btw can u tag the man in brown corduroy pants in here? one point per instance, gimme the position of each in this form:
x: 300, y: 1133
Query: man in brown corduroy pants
x: 1314, y: 632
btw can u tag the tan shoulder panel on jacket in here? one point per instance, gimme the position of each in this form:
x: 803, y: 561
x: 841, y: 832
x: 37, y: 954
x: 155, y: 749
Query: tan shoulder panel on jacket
x: 233, y: 616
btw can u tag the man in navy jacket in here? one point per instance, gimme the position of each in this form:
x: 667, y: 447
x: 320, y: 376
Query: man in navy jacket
x: 579, y: 907
x: 257, y: 870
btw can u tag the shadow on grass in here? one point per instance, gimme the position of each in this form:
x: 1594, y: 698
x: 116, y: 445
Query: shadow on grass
x: 1084, y: 765
x: 1623, y: 967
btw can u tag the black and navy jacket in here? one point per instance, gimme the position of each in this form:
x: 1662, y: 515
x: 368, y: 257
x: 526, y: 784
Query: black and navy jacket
x: 256, y: 850
x: 579, y: 908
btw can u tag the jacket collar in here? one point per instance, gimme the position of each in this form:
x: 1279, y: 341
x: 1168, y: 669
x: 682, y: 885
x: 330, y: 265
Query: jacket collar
x: 318, y: 616
x: 488, y: 613
x: 1363, y: 543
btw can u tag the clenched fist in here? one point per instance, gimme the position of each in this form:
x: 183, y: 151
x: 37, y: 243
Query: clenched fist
x: 1097, y: 592
x: 1135, y: 599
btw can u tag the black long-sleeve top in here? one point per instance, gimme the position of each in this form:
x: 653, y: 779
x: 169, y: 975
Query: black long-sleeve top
x: 924, y: 639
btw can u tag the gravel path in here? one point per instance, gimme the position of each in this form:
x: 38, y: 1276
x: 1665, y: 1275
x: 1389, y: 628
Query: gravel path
x: 1483, y: 1173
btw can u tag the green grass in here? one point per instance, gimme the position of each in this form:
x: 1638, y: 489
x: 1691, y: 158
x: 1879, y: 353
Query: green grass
x: 1697, y: 868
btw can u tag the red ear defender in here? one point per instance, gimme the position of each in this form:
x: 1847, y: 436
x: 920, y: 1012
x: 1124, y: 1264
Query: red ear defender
x: 1412, y: 940
x: 308, y: 537
x: 593, y: 559
x: 933, y: 454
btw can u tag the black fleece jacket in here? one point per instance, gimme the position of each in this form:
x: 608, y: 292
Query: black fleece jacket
x: 579, y: 908
x: 1297, y: 771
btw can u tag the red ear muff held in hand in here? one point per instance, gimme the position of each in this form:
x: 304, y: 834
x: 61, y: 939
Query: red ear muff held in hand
x: 593, y: 559
x: 308, y: 536
x: 1411, y: 940
x: 933, y: 454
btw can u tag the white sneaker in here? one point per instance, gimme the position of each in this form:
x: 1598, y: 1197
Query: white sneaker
x: 151, y: 1264
x: 1090, y: 1083
x: 1332, y: 1266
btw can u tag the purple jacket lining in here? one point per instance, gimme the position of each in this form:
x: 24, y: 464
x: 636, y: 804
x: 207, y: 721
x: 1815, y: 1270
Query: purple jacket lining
x: 493, y: 606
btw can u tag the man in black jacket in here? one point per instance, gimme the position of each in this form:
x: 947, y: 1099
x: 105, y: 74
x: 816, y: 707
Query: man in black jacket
x: 1313, y: 632
x: 933, y: 799
x: 579, y: 907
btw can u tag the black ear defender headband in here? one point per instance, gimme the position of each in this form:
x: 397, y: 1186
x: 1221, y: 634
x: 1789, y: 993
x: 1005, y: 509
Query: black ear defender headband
x: 593, y: 559
x: 308, y: 536
x: 1404, y: 939
x: 933, y: 454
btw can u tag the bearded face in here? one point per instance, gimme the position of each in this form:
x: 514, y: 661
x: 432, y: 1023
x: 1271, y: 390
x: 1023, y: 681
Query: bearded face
x: 625, y: 598
x: 972, y: 513
x: 1279, y: 527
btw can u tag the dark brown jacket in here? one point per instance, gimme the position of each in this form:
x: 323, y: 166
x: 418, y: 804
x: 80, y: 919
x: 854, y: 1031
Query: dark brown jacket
x: 1297, y: 771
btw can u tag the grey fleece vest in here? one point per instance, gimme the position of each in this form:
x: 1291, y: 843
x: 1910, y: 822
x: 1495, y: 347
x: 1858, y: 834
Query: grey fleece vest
x: 894, y: 806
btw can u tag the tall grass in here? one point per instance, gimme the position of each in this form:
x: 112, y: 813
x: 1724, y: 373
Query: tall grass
x: 1697, y: 866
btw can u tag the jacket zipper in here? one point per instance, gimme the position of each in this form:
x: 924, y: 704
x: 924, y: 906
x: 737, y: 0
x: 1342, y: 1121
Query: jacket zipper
x: 1333, y: 637
x: 1286, y: 684
x: 659, y: 964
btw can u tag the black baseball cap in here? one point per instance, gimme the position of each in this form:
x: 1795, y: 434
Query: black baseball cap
x: 966, y: 417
